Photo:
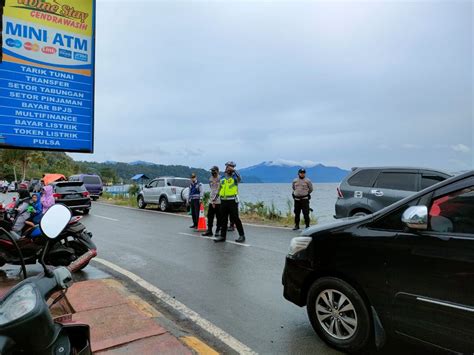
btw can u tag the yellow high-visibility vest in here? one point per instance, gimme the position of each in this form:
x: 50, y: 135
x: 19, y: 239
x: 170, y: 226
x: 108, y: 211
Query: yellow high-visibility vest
x: 229, y: 188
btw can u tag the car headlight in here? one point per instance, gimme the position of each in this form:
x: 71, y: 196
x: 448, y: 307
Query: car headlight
x: 18, y: 304
x: 298, y: 244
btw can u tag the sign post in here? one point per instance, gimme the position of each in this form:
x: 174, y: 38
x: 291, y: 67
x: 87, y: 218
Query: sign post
x: 47, y: 75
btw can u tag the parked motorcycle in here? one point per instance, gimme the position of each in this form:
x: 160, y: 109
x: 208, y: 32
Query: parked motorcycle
x: 73, y: 244
x: 26, y: 325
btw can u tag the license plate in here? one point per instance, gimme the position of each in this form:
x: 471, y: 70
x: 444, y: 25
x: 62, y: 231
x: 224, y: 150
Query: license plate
x: 72, y: 196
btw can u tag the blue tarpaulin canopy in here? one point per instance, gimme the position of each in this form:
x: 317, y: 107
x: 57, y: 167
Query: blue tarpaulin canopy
x: 140, y: 177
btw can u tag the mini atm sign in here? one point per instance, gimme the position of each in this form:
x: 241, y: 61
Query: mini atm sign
x: 47, y: 75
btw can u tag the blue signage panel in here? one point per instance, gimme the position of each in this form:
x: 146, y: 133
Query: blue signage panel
x: 47, y: 75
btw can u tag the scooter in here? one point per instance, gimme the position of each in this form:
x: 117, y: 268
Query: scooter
x: 26, y: 325
x: 73, y: 243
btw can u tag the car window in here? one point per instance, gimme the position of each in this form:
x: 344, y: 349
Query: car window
x: 161, y: 183
x: 181, y: 182
x: 453, y: 213
x: 153, y: 183
x: 92, y: 180
x: 364, y: 178
x: 68, y: 188
x: 397, y: 181
x: 428, y: 180
x: 393, y: 221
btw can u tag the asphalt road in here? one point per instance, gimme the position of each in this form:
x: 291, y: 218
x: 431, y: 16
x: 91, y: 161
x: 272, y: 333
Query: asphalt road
x: 238, y: 288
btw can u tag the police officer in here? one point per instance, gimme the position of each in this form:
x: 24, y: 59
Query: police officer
x: 229, y: 207
x: 214, y: 208
x: 302, y: 189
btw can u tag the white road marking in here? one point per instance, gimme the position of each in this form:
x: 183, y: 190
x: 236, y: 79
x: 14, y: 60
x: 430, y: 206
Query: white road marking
x: 180, y: 307
x: 227, y: 241
x: 142, y: 210
x: 186, y: 216
x: 196, y: 235
x: 110, y: 219
x: 239, y: 244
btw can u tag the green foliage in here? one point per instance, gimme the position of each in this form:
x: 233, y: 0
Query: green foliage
x: 124, y: 172
x: 121, y: 200
x: 108, y: 175
x: 205, y: 200
x: 133, y: 190
x: 259, y: 209
x: 27, y: 164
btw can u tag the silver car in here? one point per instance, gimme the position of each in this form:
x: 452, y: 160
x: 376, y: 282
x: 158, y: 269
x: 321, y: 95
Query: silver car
x: 166, y: 192
x: 367, y: 190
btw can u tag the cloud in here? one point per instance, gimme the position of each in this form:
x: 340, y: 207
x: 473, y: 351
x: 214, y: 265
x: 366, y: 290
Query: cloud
x: 213, y: 81
x: 461, y: 148
x: 410, y: 146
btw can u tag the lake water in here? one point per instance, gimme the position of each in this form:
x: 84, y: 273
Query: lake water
x: 322, y: 201
x: 323, y: 198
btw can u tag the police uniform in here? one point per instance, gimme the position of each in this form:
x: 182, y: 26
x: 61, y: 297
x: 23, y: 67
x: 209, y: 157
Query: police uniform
x: 229, y: 207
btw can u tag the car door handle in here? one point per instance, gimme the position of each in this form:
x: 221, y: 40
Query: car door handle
x: 377, y: 193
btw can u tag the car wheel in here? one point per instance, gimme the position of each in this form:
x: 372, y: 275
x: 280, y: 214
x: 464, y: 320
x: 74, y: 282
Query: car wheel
x: 163, y: 204
x: 360, y: 214
x: 94, y: 198
x: 338, y: 314
x: 86, y: 211
x: 141, y: 202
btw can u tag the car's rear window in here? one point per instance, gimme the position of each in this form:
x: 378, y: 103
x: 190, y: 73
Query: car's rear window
x: 92, y: 180
x: 397, y: 181
x: 180, y: 182
x: 364, y: 178
x: 69, y: 187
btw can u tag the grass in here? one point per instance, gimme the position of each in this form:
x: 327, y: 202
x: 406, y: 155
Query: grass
x: 256, y: 213
x: 120, y: 200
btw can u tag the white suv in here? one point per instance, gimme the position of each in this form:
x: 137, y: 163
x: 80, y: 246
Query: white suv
x: 166, y: 192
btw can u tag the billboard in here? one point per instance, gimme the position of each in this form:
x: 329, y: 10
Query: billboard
x: 47, y: 75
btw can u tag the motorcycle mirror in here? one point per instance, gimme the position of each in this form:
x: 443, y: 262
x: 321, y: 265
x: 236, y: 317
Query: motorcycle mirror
x: 55, y: 220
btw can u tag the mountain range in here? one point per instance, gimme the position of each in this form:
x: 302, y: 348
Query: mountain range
x: 277, y: 172
x: 265, y: 172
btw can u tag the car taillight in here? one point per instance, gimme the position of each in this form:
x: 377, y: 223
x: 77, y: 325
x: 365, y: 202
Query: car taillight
x: 56, y: 196
x: 173, y: 190
x: 86, y: 194
x: 339, y: 193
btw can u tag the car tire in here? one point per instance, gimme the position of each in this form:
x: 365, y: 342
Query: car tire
x: 141, y: 202
x: 163, y: 205
x: 360, y: 214
x: 86, y: 211
x: 95, y: 198
x: 348, y: 330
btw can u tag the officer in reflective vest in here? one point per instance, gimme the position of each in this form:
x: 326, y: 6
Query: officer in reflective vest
x: 229, y: 203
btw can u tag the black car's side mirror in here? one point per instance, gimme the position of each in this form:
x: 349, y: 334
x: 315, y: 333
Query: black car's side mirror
x: 416, y: 217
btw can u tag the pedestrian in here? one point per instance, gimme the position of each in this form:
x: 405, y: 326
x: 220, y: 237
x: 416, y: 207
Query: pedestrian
x: 302, y: 189
x: 229, y: 207
x: 196, y: 193
x: 47, y: 198
x: 214, y: 209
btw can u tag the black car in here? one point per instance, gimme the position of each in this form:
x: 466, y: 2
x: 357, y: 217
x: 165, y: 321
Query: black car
x: 406, y: 270
x: 73, y: 194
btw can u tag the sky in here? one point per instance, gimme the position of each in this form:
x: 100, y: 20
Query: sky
x: 342, y: 83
